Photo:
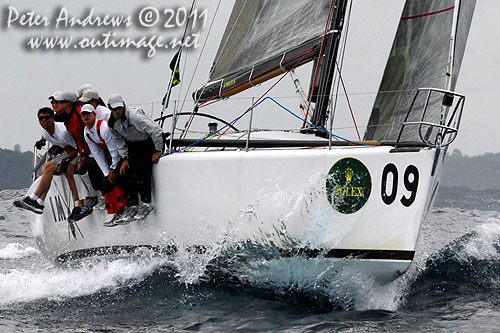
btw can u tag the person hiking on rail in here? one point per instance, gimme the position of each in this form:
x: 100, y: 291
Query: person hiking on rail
x: 105, y: 153
x: 64, y: 104
x: 140, y: 143
x: 62, y: 156
x: 91, y: 97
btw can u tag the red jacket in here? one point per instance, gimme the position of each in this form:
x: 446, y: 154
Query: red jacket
x: 74, y: 125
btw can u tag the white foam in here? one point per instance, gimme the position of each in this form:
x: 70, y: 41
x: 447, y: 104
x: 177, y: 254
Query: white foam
x: 484, y: 244
x: 342, y: 284
x: 55, y: 284
x: 17, y: 251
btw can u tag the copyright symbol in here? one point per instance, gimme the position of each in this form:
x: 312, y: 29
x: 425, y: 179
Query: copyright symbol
x: 149, y: 16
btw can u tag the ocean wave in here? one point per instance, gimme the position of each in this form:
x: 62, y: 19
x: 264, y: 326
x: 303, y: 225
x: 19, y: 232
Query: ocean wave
x: 57, y: 284
x: 466, y: 266
x: 17, y: 251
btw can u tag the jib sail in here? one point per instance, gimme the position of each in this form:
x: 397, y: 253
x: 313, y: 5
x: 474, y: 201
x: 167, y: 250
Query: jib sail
x: 419, y: 58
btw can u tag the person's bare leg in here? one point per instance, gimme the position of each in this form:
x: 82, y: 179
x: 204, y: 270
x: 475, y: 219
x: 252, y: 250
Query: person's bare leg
x: 71, y: 182
x: 47, y: 174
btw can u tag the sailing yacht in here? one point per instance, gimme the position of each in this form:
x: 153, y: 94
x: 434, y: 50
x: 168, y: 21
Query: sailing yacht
x: 305, y: 193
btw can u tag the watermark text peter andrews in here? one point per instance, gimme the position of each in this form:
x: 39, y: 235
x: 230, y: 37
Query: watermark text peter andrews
x: 145, y: 18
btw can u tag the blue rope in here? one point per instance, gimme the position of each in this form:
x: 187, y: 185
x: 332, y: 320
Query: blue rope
x: 319, y: 128
x: 250, y: 109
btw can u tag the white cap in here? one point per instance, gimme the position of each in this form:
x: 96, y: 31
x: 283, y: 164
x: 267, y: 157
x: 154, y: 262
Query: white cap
x: 87, y: 108
x: 89, y: 95
x: 66, y: 95
x: 116, y: 101
x: 51, y: 97
x: 83, y: 88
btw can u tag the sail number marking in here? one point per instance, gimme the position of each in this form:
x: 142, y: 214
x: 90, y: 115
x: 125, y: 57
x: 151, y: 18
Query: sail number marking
x: 410, y: 180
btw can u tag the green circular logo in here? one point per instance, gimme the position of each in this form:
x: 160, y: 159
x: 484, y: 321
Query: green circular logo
x: 348, y: 185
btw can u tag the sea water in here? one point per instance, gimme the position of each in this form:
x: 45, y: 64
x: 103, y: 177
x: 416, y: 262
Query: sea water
x: 452, y: 285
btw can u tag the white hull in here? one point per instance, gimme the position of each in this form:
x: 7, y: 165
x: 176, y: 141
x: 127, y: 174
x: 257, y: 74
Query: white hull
x: 210, y: 201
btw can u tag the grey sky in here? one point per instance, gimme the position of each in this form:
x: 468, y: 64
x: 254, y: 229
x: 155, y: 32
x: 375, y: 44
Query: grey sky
x: 27, y: 78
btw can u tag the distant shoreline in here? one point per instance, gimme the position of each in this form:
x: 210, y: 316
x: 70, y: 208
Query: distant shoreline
x: 466, y: 198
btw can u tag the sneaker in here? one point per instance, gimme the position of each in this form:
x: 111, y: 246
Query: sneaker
x: 111, y: 223
x: 151, y: 208
x: 85, y: 211
x: 17, y: 203
x: 101, y: 205
x: 29, y: 204
x: 74, y: 213
x: 128, y: 215
x: 94, y: 201
x: 143, y: 211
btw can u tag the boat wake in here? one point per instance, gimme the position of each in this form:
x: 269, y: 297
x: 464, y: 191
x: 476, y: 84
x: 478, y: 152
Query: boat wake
x: 51, y: 283
x: 17, y: 251
x: 466, y: 266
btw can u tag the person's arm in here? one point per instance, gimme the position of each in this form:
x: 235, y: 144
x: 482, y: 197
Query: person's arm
x: 99, y: 156
x: 147, y: 125
x: 120, y: 143
x: 122, y: 149
x: 110, y: 143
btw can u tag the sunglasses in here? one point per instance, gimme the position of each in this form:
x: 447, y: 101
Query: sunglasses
x: 57, y: 102
x: 44, y: 118
x: 83, y: 103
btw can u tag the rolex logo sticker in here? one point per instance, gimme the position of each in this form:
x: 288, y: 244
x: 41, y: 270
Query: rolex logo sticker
x: 348, y: 185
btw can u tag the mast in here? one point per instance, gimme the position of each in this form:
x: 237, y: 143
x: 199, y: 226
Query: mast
x: 322, y: 77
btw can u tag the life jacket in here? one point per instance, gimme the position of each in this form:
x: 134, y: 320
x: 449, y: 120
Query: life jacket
x: 102, y: 143
x: 74, y: 125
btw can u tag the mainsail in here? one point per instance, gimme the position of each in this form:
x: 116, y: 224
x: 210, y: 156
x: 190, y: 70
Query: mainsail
x: 419, y: 58
x: 263, y: 38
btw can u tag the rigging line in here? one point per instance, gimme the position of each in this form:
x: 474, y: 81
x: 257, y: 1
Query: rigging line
x: 253, y: 107
x: 213, y: 100
x: 187, y: 54
x: 332, y: 112
x: 235, y: 97
x: 320, y: 56
x: 201, y: 53
x: 187, y: 125
x: 274, y: 85
x: 348, y: 102
x: 317, y: 127
x: 180, y: 53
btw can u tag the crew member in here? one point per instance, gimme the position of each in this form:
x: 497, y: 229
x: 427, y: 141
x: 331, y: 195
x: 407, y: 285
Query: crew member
x: 83, y: 88
x: 140, y: 143
x: 92, y: 97
x: 60, y: 162
x: 105, y: 153
x: 64, y: 105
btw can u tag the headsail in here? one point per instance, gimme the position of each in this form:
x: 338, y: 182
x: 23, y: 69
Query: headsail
x: 263, y: 37
x: 419, y: 58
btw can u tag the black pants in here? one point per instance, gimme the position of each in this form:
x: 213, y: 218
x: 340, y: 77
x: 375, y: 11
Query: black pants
x: 137, y: 179
x: 95, y: 174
